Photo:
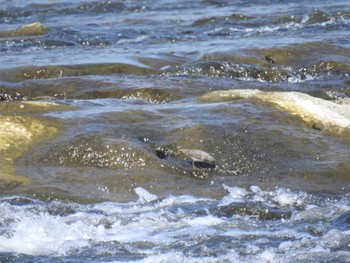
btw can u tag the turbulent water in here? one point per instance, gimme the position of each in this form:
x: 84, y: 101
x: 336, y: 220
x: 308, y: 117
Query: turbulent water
x: 97, y: 98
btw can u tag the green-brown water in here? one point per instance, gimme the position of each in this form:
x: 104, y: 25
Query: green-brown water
x: 97, y: 98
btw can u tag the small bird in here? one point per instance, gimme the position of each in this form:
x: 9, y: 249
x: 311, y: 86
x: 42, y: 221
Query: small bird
x: 202, y: 158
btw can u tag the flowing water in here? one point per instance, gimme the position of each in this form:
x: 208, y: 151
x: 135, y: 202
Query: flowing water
x: 97, y: 98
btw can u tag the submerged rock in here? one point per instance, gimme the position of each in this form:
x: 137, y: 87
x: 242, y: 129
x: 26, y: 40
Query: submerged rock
x: 304, y: 55
x: 316, y: 17
x: 97, y: 150
x: 34, y: 29
x: 45, y: 72
x: 235, y: 71
x: 327, y: 116
x: 312, y: 57
x: 262, y: 211
x: 153, y: 95
x: 30, y: 107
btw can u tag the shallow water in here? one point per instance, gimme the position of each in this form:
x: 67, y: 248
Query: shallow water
x: 97, y: 98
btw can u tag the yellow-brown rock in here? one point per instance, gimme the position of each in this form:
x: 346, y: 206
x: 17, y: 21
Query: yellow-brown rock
x: 34, y: 29
x: 19, y: 131
x: 331, y: 117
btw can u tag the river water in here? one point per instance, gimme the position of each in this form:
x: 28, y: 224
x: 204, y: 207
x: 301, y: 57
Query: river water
x: 97, y: 98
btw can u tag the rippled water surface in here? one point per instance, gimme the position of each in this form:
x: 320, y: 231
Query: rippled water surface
x: 98, y: 98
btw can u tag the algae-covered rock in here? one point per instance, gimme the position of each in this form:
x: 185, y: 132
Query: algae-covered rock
x: 28, y: 107
x: 305, y: 54
x: 154, y: 95
x: 44, y: 72
x: 317, y: 16
x: 34, y: 29
x: 97, y: 150
x: 20, y: 132
x: 328, y: 116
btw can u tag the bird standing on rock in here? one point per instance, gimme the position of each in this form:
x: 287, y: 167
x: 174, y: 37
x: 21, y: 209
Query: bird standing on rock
x: 199, y: 157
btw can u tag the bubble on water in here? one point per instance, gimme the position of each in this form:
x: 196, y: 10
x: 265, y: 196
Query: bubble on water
x: 178, y: 228
x: 235, y: 194
x: 287, y: 198
x: 204, y: 221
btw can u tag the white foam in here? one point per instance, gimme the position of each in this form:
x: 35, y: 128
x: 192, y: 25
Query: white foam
x: 267, y: 256
x: 43, y: 234
x: 176, y: 228
x: 178, y: 257
x: 236, y: 194
x: 287, y: 198
x: 204, y: 221
x: 281, y: 196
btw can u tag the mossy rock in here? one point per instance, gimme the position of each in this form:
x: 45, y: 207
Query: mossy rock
x: 18, y: 133
x: 34, y: 29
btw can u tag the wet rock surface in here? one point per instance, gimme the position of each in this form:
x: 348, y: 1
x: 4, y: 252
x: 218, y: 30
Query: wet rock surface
x: 20, y: 133
x: 99, y: 98
x: 34, y: 29
x: 328, y: 116
x: 272, y: 115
